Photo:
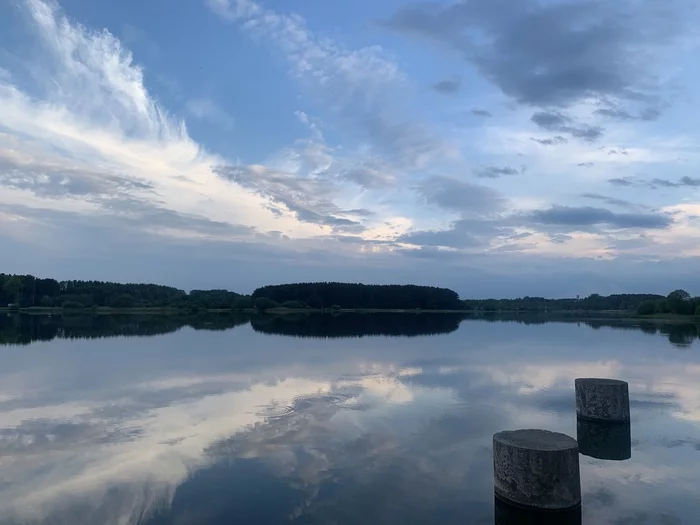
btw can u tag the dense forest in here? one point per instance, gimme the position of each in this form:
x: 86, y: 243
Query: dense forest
x: 370, y: 296
x: 678, y: 302
x: 593, y: 302
x: 27, y: 291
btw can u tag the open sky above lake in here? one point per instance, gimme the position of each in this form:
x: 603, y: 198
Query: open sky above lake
x: 500, y: 148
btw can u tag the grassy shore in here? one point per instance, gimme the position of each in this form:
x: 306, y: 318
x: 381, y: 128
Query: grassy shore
x: 551, y: 314
x: 170, y: 311
x: 283, y: 310
x: 104, y: 310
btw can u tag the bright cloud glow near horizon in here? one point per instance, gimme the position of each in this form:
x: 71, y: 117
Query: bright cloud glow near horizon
x: 538, y: 147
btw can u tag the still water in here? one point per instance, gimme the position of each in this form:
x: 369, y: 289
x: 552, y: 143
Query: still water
x: 353, y: 419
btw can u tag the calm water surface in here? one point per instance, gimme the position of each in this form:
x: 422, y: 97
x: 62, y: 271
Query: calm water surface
x: 337, y: 420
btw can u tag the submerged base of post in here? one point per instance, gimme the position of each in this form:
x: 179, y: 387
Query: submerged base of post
x: 602, y: 399
x: 508, y: 514
x: 537, y: 469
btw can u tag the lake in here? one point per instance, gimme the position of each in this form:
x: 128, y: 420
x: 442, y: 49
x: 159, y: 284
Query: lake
x: 349, y: 419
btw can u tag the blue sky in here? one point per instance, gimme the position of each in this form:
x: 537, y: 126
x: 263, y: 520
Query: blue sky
x: 498, y: 148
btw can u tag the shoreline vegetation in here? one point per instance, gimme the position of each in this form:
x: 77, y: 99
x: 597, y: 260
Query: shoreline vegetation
x: 587, y: 315
x: 29, y: 294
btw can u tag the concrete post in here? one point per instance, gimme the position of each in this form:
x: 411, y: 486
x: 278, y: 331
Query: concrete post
x: 602, y: 399
x: 537, y: 469
x: 506, y: 514
x: 604, y: 440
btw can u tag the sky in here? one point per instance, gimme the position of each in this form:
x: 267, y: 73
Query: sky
x: 499, y: 148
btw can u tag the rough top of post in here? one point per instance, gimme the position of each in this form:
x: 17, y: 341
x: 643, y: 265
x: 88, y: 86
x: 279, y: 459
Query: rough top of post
x: 536, y: 440
x: 600, y: 381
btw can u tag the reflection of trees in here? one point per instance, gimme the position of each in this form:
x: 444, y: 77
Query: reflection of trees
x: 19, y: 329
x: 357, y: 325
x: 679, y: 334
x: 648, y: 328
x: 526, y: 319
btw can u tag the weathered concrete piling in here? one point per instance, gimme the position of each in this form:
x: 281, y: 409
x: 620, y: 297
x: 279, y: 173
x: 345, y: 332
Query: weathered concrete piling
x: 507, y: 514
x: 602, y: 399
x: 537, y: 469
x: 604, y: 440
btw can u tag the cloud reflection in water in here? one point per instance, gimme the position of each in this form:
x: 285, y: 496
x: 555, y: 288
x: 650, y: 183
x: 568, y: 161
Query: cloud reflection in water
x: 347, y: 430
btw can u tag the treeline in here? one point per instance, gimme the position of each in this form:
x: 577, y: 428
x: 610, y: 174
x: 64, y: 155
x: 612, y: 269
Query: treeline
x: 27, y: 291
x: 678, y: 302
x: 595, y: 302
x: 361, y: 296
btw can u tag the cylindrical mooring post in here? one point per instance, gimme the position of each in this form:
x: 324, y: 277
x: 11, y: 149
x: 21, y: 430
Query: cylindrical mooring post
x: 537, y: 469
x: 602, y: 399
x: 604, y: 440
x: 507, y: 514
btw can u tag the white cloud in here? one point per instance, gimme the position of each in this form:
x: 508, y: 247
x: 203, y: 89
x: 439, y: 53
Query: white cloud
x: 93, y: 110
x: 91, y: 120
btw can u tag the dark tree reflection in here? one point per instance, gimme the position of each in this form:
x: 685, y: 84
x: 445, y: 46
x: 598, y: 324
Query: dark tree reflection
x: 19, y: 329
x: 357, y: 325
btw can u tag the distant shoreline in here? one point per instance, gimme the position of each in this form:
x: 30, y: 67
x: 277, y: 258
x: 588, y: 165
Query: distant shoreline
x: 31, y: 294
x: 552, y: 314
x: 109, y: 310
